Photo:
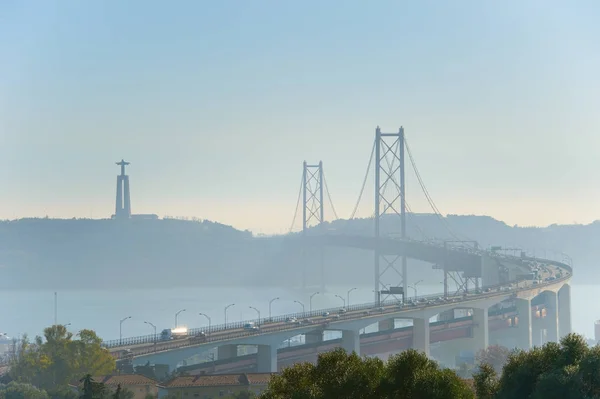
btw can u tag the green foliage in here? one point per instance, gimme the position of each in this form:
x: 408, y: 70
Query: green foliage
x: 243, y: 395
x: 495, y: 355
x: 568, y: 370
x: 340, y: 375
x: 58, y: 359
x: 17, y: 390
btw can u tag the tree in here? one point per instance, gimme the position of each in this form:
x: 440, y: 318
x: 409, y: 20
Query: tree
x: 565, y: 370
x: 17, y: 390
x: 411, y: 374
x: 495, y: 355
x: 340, y: 375
x: 58, y: 359
x: 243, y: 395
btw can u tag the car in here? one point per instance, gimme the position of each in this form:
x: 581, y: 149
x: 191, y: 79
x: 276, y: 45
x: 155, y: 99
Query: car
x: 325, y: 314
x: 291, y: 320
x: 366, y: 313
x: 381, y: 309
x: 342, y: 311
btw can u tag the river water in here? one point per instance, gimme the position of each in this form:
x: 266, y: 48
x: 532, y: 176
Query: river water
x: 31, y: 311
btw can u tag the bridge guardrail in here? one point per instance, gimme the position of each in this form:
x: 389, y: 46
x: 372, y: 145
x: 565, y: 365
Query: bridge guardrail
x: 152, y: 338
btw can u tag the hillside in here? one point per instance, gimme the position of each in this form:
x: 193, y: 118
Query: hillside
x: 53, y: 253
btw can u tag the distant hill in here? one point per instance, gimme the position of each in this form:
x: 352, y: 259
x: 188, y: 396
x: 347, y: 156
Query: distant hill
x: 59, y: 253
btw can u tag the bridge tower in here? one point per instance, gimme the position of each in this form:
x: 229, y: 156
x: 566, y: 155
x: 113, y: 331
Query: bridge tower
x: 123, y: 205
x: 389, y: 199
x: 313, y: 209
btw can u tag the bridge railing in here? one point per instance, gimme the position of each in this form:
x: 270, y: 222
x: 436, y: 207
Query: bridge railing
x: 150, y: 339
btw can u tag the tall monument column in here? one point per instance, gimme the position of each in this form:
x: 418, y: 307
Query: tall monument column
x: 123, y: 203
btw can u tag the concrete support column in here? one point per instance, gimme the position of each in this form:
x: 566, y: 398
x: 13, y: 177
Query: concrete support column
x: 266, y: 360
x: 536, y: 331
x: 481, y: 334
x: 351, y: 341
x: 551, y: 322
x: 385, y: 325
x: 226, y: 352
x: 564, y: 310
x: 523, y: 329
x: 313, y: 337
x: 421, y: 335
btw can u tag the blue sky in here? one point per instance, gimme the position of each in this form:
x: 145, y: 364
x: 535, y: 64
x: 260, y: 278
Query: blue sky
x: 216, y: 105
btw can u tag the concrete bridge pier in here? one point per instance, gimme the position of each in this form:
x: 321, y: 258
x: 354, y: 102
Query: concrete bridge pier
x: 227, y: 352
x: 551, y: 319
x: 351, y: 341
x: 481, y: 333
x: 564, y: 310
x: 537, y: 328
x: 266, y: 360
x: 421, y: 335
x: 523, y: 330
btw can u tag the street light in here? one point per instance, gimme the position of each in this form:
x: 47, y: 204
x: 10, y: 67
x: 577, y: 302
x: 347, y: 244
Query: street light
x: 257, y: 311
x: 154, y: 327
x: 121, y: 330
x: 414, y: 287
x: 270, y: 302
x: 208, y: 318
x: 301, y: 304
x: 348, y: 295
x: 177, y: 314
x: 343, y: 300
x: 310, y: 300
x: 227, y: 307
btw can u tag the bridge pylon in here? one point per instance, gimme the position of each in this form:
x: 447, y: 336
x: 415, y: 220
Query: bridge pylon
x: 313, y: 211
x: 389, y: 199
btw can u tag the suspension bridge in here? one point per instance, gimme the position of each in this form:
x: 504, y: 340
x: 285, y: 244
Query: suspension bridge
x: 482, y: 279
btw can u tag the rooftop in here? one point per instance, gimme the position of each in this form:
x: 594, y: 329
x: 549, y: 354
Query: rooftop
x: 220, y: 380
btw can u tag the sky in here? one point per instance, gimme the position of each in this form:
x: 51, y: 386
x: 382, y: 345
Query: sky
x: 217, y: 104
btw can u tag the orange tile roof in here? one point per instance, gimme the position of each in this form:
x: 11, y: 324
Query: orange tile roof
x: 259, y: 378
x: 219, y: 380
x: 125, y: 380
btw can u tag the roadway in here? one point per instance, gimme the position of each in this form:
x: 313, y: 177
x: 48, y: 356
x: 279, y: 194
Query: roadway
x: 316, y: 320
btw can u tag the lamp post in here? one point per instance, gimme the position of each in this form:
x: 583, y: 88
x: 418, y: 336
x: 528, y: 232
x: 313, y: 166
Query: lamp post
x: 348, y: 295
x: 257, y: 311
x: 177, y: 314
x: 301, y: 304
x: 310, y: 300
x: 414, y: 287
x: 270, y: 302
x: 227, y: 307
x: 343, y: 300
x: 121, y: 329
x: 154, y: 327
x: 208, y: 318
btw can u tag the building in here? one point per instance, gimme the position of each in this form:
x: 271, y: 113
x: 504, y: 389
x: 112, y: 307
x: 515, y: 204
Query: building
x: 215, y: 386
x: 140, y: 385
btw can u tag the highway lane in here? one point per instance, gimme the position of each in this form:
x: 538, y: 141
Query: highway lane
x: 317, y: 321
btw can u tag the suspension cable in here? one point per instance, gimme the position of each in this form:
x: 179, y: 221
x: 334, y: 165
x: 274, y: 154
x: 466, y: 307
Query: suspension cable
x: 362, y: 189
x: 329, y: 196
x: 427, y: 195
x: 297, y: 205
